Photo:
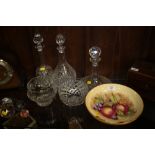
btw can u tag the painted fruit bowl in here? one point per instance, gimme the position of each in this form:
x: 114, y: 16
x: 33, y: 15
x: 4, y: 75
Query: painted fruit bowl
x: 114, y: 104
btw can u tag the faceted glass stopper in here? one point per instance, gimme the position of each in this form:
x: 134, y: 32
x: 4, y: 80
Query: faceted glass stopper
x: 94, y: 52
x: 60, y: 39
x: 38, y: 39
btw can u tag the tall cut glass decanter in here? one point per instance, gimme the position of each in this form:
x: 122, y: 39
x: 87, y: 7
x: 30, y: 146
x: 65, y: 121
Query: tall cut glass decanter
x: 63, y: 71
x: 95, y: 79
x: 40, y: 89
x: 43, y: 69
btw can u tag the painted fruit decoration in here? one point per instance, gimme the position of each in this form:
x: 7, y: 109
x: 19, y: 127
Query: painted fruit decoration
x: 113, y: 105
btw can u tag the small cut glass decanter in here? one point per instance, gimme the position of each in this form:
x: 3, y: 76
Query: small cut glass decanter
x: 95, y: 79
x: 63, y: 71
x: 43, y: 69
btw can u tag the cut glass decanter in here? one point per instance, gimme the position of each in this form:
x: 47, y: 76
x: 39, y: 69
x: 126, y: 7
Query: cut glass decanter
x: 63, y: 71
x: 40, y: 89
x: 95, y: 79
x: 43, y: 69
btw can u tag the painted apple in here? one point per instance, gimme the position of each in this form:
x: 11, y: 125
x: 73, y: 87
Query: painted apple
x: 109, y: 112
x: 123, y: 108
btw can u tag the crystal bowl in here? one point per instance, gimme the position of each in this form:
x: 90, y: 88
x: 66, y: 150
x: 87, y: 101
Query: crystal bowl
x: 73, y: 92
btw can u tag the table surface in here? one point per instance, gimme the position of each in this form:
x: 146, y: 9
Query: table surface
x: 59, y: 116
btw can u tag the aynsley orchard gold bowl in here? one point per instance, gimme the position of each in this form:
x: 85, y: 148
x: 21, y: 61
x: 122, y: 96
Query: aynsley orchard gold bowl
x: 114, y: 104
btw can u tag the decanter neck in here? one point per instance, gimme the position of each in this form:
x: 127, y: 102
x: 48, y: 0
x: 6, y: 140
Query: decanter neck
x: 41, y: 58
x: 61, y: 57
x: 94, y: 72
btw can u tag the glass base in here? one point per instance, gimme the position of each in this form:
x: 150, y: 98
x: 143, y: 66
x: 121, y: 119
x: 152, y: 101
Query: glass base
x: 95, y: 81
x: 45, y: 117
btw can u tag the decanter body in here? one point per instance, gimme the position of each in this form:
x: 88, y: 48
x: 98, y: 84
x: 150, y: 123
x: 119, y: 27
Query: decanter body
x: 95, y: 79
x: 63, y: 71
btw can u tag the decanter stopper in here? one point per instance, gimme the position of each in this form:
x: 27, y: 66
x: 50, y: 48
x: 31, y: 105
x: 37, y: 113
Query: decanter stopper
x: 95, y: 53
x: 60, y: 40
x: 38, y: 39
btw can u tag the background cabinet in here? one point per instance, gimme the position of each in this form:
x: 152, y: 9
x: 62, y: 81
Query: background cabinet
x: 121, y: 47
